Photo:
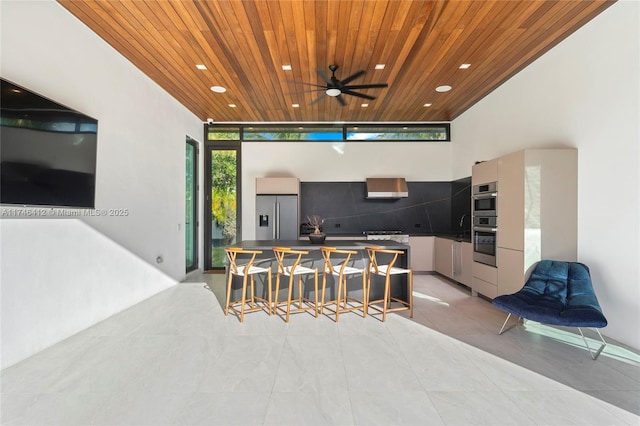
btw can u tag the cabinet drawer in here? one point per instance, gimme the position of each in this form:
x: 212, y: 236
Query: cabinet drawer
x: 484, y: 288
x: 485, y: 273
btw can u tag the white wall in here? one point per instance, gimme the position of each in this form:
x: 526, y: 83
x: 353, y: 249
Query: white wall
x: 141, y: 129
x: 62, y: 276
x: 140, y: 167
x: 584, y: 93
x: 347, y: 162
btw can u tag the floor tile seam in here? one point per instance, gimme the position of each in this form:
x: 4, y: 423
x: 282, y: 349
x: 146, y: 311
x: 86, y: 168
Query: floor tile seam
x: 598, y: 402
x: 275, y: 377
x: 413, y: 366
x: 434, y: 405
x: 516, y: 404
x: 611, y: 408
x: 346, y: 377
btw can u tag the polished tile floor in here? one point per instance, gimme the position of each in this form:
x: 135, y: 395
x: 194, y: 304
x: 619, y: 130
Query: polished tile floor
x: 176, y: 359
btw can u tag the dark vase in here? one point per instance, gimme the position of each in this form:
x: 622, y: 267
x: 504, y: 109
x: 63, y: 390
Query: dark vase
x: 317, y: 238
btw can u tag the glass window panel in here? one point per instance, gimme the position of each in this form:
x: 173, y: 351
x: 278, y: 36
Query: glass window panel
x: 223, y: 133
x: 399, y: 133
x: 292, y: 133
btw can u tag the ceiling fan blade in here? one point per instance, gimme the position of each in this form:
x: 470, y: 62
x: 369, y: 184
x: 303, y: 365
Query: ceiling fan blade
x: 352, y: 77
x: 359, y: 95
x: 341, y: 100
x: 323, y: 86
x: 316, y: 100
x: 324, y: 76
x: 307, y: 91
x: 366, y: 86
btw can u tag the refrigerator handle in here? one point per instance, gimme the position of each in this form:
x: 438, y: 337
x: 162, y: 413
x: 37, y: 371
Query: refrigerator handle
x: 274, y: 221
x: 276, y: 224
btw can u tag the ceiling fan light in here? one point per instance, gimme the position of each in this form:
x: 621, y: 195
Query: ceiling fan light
x: 333, y: 92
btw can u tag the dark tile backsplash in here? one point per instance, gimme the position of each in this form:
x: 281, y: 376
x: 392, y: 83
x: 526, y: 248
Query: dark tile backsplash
x: 431, y: 208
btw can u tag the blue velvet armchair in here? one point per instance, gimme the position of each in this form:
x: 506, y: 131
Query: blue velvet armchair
x: 557, y: 293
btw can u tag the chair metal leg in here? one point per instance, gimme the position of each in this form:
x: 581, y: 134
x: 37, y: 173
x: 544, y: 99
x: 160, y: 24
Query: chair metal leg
x: 599, y: 351
x: 503, y: 329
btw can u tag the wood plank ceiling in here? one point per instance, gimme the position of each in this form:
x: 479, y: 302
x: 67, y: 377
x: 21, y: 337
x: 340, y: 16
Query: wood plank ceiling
x: 244, y: 45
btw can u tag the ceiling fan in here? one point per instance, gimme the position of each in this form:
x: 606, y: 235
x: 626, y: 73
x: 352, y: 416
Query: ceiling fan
x: 336, y: 88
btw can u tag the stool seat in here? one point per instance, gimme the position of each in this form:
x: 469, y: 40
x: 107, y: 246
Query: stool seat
x: 246, y: 271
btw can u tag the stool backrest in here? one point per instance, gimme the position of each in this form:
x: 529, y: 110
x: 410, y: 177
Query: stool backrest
x: 282, y: 252
x: 373, y: 260
x: 326, y: 254
x: 232, y: 257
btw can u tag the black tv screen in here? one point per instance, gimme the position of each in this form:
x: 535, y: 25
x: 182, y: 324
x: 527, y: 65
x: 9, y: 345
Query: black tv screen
x: 47, y: 151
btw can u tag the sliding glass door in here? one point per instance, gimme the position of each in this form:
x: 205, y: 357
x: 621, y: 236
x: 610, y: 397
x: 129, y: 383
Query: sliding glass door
x: 191, y: 208
x: 223, y: 201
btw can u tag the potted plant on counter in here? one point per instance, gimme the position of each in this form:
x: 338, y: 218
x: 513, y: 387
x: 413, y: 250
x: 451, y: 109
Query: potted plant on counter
x: 317, y: 237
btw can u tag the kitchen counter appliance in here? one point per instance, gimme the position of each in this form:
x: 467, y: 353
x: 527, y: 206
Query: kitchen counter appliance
x: 394, y: 235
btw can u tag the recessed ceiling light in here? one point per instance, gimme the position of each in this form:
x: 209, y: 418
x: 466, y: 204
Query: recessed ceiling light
x: 464, y: 66
x: 232, y: 105
x: 427, y: 105
x: 364, y: 105
x: 379, y: 66
x: 295, y: 105
x: 201, y: 66
x: 443, y: 88
x: 218, y: 89
x: 286, y: 67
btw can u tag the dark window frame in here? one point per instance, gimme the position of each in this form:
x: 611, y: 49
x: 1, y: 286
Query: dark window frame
x: 246, y: 128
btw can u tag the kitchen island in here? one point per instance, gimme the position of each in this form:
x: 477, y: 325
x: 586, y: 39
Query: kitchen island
x: 314, y: 260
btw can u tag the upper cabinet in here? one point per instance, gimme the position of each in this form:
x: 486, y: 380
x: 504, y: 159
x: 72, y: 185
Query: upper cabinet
x: 485, y: 172
x: 538, y: 202
x: 537, y: 205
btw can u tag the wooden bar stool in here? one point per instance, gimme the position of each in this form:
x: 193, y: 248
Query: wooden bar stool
x: 387, y: 271
x: 245, y: 271
x: 342, y: 272
x: 296, y: 269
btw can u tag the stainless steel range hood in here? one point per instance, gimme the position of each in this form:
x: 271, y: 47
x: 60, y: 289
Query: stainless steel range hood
x: 387, y: 188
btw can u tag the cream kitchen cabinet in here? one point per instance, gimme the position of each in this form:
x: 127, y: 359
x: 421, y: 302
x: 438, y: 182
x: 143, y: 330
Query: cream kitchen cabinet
x: 462, y: 262
x: 537, y: 212
x: 421, y: 253
x: 444, y: 256
x: 484, y: 172
x: 453, y: 259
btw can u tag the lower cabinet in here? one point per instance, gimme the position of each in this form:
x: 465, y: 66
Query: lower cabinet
x: 462, y: 262
x: 485, y: 280
x: 444, y: 256
x: 454, y: 260
x: 507, y: 278
x: 511, y: 273
x: 421, y: 253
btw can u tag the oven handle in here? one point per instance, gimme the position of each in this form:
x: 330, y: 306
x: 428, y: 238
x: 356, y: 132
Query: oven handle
x: 480, y: 228
x: 485, y: 195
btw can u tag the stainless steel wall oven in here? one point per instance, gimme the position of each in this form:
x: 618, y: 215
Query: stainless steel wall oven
x: 484, y: 245
x: 485, y: 223
x: 485, y: 199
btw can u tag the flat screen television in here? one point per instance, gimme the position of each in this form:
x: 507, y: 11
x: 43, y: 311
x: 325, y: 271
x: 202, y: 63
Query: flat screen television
x: 47, y: 151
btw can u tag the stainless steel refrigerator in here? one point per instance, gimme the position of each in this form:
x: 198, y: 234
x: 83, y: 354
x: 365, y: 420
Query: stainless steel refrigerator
x: 277, y: 217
